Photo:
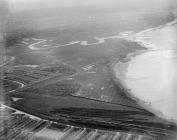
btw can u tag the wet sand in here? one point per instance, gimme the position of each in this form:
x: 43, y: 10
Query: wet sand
x: 150, y: 77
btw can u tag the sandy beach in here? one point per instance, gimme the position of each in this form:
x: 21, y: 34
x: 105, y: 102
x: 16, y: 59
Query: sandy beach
x: 151, y: 77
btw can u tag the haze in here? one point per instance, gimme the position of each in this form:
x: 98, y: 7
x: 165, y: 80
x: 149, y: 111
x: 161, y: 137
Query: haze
x: 30, y: 4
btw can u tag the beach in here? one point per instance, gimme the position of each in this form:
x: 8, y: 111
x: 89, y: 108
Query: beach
x: 150, y: 77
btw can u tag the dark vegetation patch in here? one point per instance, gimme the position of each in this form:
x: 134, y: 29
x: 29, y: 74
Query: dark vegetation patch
x: 64, y: 69
x: 7, y: 85
x: 63, y: 88
x: 14, y: 37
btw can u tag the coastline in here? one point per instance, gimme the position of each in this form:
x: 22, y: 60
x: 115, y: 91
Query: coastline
x: 145, y: 39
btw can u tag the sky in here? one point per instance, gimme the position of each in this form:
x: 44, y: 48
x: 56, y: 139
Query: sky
x: 27, y: 4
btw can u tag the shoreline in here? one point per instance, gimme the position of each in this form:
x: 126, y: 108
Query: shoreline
x: 120, y: 68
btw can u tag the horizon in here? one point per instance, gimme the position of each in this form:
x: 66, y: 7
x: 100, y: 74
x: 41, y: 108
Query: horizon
x: 32, y: 4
